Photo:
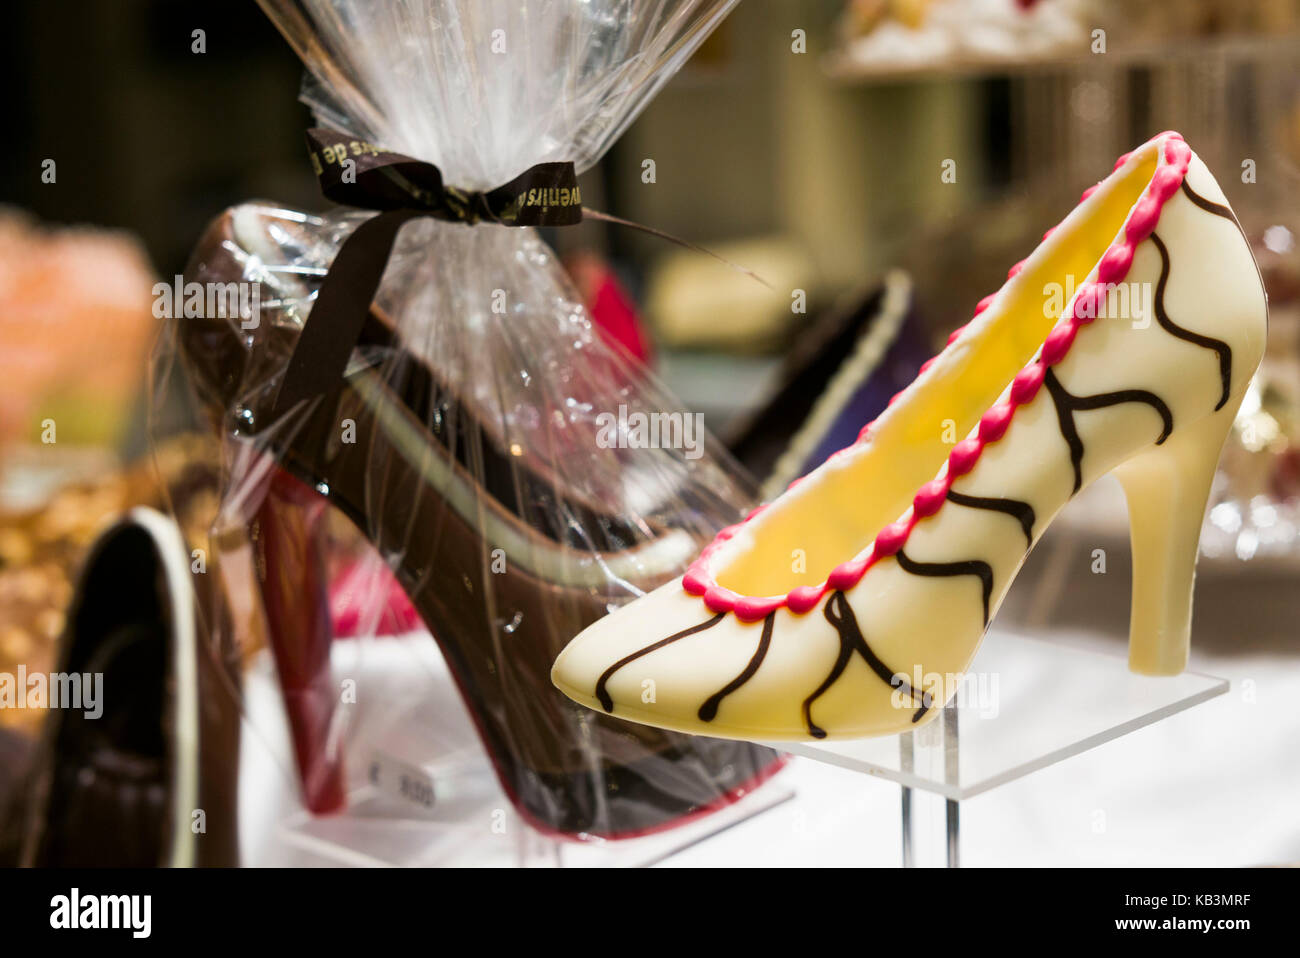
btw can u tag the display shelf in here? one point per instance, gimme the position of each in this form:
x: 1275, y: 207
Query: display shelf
x: 422, y: 790
x: 1026, y: 704
x: 482, y: 830
x: 1043, y: 702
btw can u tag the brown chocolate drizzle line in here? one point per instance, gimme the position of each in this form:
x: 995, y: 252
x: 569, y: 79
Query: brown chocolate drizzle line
x: 976, y: 567
x: 1223, y: 350
x: 603, y: 694
x: 709, y: 710
x: 1021, y: 511
x: 1218, y: 209
x: 1067, y: 404
x: 839, y: 613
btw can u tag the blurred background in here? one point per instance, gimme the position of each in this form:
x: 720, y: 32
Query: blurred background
x: 880, y: 163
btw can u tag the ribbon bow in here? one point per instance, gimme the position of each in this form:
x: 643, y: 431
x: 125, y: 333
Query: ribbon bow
x: 356, y: 173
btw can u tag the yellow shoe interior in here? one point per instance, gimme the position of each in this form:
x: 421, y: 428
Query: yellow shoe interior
x: 837, y: 511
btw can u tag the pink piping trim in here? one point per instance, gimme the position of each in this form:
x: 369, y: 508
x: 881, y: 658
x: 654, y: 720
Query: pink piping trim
x: 1174, y: 159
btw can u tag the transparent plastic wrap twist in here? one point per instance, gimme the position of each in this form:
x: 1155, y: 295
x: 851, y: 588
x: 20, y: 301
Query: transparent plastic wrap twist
x: 483, y: 437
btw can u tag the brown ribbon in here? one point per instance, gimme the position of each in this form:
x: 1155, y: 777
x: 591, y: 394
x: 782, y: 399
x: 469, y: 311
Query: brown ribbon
x: 401, y: 188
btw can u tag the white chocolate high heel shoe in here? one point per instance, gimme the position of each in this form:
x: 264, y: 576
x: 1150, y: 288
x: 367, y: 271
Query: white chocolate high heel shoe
x: 812, y: 617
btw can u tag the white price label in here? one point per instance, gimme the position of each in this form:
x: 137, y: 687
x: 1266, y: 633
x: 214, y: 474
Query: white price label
x: 401, y: 780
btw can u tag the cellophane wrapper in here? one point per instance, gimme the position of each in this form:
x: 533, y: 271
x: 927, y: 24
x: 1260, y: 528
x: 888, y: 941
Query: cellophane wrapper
x: 514, y: 472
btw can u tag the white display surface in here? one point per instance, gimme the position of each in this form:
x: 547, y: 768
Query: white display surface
x: 421, y: 789
x: 1207, y: 786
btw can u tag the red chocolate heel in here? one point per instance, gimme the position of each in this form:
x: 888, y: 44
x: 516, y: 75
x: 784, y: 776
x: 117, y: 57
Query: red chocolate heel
x: 288, y: 542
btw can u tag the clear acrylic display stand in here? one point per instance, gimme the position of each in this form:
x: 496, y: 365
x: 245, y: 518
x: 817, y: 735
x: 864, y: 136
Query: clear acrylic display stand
x: 423, y: 793
x: 1026, y: 704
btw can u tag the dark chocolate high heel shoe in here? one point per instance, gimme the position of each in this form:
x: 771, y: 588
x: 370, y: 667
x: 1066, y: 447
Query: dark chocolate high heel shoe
x: 840, y: 374
x: 502, y: 558
x: 141, y: 768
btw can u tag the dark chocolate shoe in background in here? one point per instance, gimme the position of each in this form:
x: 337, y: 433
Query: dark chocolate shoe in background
x: 841, y: 375
x: 141, y: 769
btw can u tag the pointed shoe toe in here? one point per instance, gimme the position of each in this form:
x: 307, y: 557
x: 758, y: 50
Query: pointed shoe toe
x: 669, y: 661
